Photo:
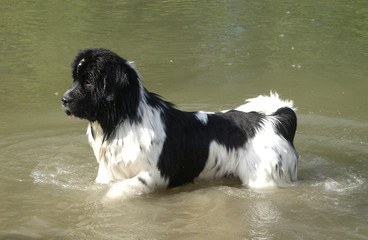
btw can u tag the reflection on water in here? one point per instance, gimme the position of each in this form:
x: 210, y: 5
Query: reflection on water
x: 202, y: 55
x: 263, y: 219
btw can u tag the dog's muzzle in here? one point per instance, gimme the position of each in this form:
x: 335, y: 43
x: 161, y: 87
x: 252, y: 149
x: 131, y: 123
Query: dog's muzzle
x: 65, y: 102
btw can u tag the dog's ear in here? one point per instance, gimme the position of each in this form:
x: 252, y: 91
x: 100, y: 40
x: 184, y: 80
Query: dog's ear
x: 121, y: 95
x: 119, y: 82
x: 108, y: 90
x: 121, y: 86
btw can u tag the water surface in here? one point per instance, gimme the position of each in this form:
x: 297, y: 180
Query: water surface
x: 201, y: 55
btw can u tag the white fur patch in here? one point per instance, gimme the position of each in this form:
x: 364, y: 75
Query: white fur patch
x: 144, y: 182
x: 202, y: 116
x: 81, y: 62
x: 134, y: 147
x: 221, y: 162
x: 265, y: 104
x: 270, y: 159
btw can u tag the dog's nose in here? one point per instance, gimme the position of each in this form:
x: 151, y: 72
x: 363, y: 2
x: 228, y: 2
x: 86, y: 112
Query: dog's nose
x: 65, y: 99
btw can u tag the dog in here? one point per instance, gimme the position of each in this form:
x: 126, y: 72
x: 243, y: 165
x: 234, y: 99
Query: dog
x: 143, y: 143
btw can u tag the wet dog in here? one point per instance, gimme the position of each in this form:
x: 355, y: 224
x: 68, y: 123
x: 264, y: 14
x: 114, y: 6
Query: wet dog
x: 143, y: 143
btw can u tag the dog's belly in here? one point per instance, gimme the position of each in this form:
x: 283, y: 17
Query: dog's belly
x: 221, y: 162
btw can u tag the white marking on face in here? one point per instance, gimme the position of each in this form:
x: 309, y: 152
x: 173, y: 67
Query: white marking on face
x: 81, y: 62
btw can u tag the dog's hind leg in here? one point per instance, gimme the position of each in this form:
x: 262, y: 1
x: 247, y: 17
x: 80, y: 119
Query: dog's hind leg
x: 144, y: 182
x: 270, y: 160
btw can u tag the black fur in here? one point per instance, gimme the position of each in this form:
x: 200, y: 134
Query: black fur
x: 287, y: 124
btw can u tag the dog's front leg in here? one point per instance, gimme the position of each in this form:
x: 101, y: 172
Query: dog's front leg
x: 144, y: 182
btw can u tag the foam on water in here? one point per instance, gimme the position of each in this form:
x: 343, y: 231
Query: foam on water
x: 63, y: 176
x: 349, y: 184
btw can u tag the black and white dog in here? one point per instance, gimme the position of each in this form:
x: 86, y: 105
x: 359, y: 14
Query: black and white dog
x: 142, y: 142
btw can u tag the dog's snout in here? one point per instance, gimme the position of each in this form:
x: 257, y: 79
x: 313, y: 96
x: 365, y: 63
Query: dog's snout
x: 66, y: 99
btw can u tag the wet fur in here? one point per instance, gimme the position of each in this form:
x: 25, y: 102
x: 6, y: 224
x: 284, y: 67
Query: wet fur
x: 142, y: 142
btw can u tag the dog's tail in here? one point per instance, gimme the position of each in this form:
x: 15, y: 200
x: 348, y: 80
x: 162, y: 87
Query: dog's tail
x: 266, y: 104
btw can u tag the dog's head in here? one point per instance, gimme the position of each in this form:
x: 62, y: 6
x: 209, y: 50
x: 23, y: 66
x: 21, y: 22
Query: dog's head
x: 105, y: 88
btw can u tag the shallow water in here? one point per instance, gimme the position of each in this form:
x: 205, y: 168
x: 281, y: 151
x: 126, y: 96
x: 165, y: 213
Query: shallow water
x: 201, y: 55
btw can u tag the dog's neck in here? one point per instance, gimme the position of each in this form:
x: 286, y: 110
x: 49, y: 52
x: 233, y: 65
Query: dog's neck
x: 145, y: 131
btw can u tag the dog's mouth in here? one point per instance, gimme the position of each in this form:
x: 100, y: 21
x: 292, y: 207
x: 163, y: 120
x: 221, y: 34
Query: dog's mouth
x: 70, y: 115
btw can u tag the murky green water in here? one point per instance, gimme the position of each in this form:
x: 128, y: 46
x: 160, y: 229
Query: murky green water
x: 202, y: 55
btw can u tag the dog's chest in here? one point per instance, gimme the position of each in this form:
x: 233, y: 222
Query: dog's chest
x: 131, y: 149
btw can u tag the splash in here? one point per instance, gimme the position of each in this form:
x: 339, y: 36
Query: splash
x: 63, y: 176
